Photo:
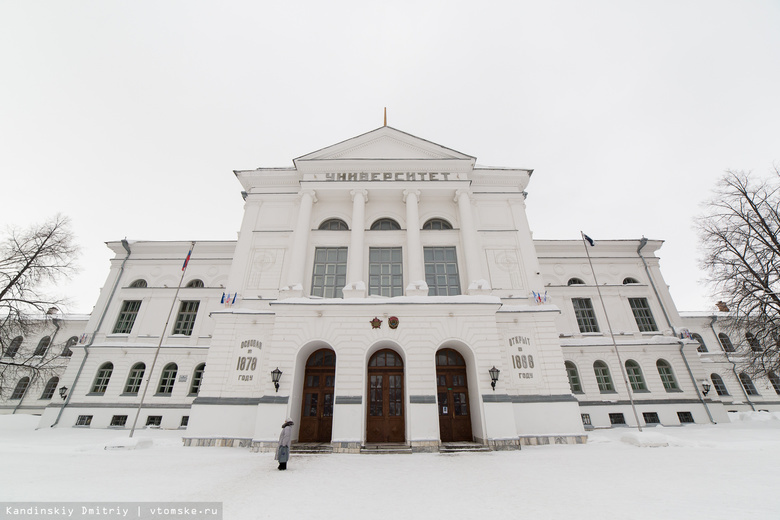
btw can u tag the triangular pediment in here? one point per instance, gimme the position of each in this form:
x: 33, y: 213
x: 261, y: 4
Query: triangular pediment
x: 385, y: 143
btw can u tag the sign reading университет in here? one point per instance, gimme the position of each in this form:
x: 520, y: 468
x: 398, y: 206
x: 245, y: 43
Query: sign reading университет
x: 112, y: 510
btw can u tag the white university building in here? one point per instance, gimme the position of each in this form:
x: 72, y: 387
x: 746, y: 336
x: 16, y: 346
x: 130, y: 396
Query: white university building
x: 396, y: 292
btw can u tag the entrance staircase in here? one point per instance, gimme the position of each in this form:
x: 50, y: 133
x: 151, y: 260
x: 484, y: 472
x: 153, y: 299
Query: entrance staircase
x: 385, y: 448
x: 311, y: 447
x: 462, y: 447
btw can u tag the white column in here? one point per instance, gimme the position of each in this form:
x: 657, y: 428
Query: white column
x: 416, y: 276
x: 356, y: 284
x: 468, y: 233
x: 297, y: 264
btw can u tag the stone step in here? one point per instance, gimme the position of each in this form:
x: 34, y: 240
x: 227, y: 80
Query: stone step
x: 385, y: 449
x: 311, y: 447
x: 462, y: 447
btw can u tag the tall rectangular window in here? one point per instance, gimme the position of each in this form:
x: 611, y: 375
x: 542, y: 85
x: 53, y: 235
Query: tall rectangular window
x: 644, y: 318
x: 330, y: 272
x: 385, y: 271
x: 126, y: 319
x: 441, y: 271
x: 586, y: 317
x: 185, y: 320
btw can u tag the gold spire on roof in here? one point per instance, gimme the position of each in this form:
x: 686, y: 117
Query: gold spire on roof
x: 385, y: 116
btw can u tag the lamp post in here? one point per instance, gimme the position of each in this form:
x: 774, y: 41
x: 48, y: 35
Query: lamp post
x: 276, y: 374
x: 493, y: 376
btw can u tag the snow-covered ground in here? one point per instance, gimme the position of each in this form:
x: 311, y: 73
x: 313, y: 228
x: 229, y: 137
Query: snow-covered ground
x: 697, y: 471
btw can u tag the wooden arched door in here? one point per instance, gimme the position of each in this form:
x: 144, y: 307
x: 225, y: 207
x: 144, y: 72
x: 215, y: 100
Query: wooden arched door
x: 453, y: 396
x: 385, y: 422
x: 317, y: 405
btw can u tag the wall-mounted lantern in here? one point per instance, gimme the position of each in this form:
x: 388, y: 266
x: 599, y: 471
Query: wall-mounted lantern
x: 276, y: 375
x: 493, y: 376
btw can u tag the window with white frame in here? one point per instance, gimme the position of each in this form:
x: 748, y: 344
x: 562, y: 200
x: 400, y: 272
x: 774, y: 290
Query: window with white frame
x: 747, y: 384
x: 195, y: 284
x: 441, y: 271
x: 642, y: 314
x: 586, y: 419
x: 185, y: 320
x: 127, y: 315
x: 66, y: 351
x: 167, y: 379
x: 702, y: 347
x: 118, y: 420
x: 635, y: 377
x: 330, y: 272
x: 385, y: 271
x: 720, y: 386
x: 628, y: 280
x: 603, y: 378
x: 138, y: 284
x: 651, y: 417
x: 725, y: 342
x: 102, y: 378
x: 775, y: 381
x: 43, y: 346
x: 84, y: 420
x: 685, y: 417
x: 667, y: 376
x: 13, y: 348
x: 385, y: 224
x: 197, y: 378
x: 154, y: 420
x: 185, y: 420
x: 574, y: 377
x: 436, y: 224
x: 134, y: 379
x: 21, y: 388
x: 51, y: 386
x: 334, y: 224
x: 617, y: 419
x: 586, y: 317
x: 575, y: 281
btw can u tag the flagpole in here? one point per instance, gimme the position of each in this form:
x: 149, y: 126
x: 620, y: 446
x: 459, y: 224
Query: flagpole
x: 162, y: 336
x: 612, y: 336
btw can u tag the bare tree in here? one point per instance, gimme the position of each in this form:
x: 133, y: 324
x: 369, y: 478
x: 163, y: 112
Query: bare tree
x: 32, y: 261
x: 739, y: 234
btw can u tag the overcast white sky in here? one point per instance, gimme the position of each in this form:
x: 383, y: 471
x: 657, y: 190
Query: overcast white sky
x: 130, y: 116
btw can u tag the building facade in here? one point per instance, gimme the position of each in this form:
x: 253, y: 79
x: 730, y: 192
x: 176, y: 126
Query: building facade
x: 386, y: 290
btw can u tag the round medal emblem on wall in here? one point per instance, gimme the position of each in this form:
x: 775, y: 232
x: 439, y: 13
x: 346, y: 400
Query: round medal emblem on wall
x: 393, y: 322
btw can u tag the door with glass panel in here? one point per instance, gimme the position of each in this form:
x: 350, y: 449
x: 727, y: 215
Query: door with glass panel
x: 453, y: 397
x: 385, y: 422
x: 317, y: 406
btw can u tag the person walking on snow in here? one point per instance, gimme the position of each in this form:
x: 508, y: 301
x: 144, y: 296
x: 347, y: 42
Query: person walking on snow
x: 283, y: 450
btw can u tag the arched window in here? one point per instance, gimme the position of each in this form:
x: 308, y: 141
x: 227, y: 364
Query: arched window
x: 747, y: 384
x: 725, y: 342
x: 629, y: 280
x: 21, y: 388
x: 194, y: 284
x: 574, y: 377
x: 575, y: 281
x: 197, y: 377
x: 101, y: 378
x: 719, y: 385
x: 603, y: 378
x: 667, y: 376
x: 167, y: 379
x: 448, y: 357
x: 138, y: 284
x: 702, y: 347
x: 134, y: 378
x: 334, y: 224
x: 66, y: 351
x: 43, y: 346
x: 322, y: 358
x: 775, y: 381
x: 385, y: 358
x: 635, y: 376
x: 755, y: 345
x: 437, y: 224
x: 13, y: 348
x: 385, y: 224
x: 51, y: 386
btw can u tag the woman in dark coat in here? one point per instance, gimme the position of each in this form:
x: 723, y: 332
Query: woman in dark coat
x: 283, y: 450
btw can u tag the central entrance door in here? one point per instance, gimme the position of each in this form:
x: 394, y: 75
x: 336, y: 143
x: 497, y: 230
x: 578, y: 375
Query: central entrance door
x: 317, y: 406
x: 453, y: 396
x: 385, y: 398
